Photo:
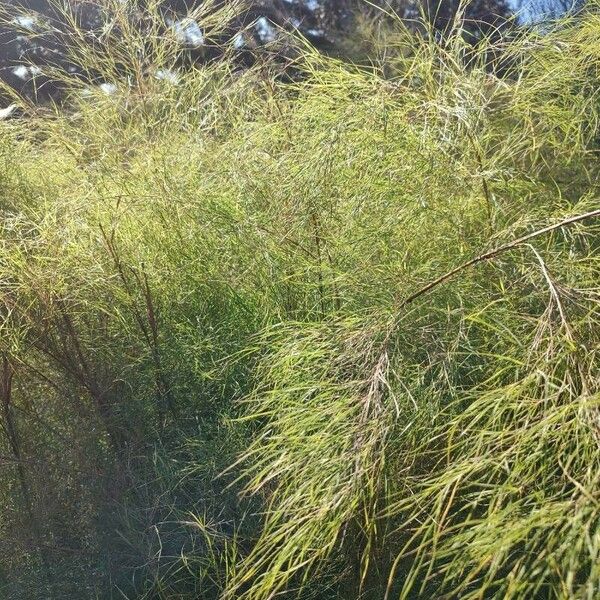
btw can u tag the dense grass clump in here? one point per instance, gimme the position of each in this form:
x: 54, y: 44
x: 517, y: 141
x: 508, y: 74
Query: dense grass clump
x: 329, y: 336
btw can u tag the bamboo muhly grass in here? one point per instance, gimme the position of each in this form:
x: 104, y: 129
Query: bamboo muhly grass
x: 329, y: 335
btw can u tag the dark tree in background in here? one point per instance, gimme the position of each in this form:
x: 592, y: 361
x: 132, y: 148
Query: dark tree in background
x: 34, y: 34
x: 481, y: 17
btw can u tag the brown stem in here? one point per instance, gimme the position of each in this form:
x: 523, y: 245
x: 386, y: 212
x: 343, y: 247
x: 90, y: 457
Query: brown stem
x: 163, y: 391
x: 318, y: 243
x: 10, y: 428
x: 148, y: 326
x: 484, y: 184
x: 495, y: 252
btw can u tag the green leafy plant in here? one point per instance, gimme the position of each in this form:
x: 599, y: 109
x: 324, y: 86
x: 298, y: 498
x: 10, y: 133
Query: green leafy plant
x: 329, y: 335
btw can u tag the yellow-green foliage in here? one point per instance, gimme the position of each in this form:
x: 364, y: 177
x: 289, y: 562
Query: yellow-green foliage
x: 226, y: 272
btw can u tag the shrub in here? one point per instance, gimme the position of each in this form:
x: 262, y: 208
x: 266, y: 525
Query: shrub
x: 324, y: 338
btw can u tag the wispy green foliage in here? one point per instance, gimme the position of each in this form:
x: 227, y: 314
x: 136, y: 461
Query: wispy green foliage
x: 328, y: 337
